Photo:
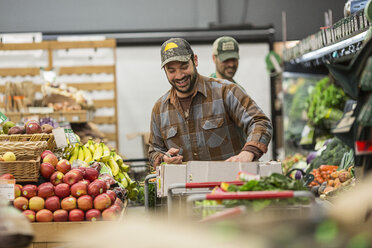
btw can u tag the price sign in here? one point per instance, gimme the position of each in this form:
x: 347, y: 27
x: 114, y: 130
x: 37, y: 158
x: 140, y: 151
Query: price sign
x: 71, y: 136
x: 7, y: 189
x: 2, y: 117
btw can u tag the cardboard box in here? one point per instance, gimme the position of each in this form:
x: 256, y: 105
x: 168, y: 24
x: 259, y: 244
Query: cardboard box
x: 167, y: 175
x: 208, y: 171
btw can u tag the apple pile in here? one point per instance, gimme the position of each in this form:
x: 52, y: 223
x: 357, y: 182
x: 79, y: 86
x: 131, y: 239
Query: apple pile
x: 30, y: 127
x: 70, y: 194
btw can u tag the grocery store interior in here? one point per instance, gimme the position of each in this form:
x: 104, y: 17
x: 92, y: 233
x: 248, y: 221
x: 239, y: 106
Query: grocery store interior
x: 215, y: 123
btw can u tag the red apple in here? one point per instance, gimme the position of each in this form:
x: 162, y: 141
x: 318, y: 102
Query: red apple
x: 63, y: 166
x: 7, y: 176
x: 93, y: 215
x: 116, y: 208
x: 30, y: 215
x: 51, y: 159
x: 87, y: 182
x: 21, y: 203
x: 44, y: 153
x: 76, y: 215
x: 29, y: 191
x: 30, y: 121
x: 46, y: 170
x: 56, y: 178
x: 60, y: 215
x: 85, y: 202
x: 73, y: 176
x: 62, y: 190
x: 44, y: 184
x: 119, y: 203
x: 94, y: 189
x: 52, y: 203
x: 33, y: 127
x: 44, y: 215
x: 79, y: 189
x: 17, y: 190
x: 36, y: 203
x: 109, y: 214
x: 46, y: 191
x: 102, y: 201
x: 102, y: 183
x: 82, y: 170
x: 91, y: 174
x: 68, y: 203
x: 112, y: 195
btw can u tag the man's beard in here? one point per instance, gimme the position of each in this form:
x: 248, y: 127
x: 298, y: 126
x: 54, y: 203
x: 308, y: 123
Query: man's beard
x: 192, y: 80
x: 226, y: 75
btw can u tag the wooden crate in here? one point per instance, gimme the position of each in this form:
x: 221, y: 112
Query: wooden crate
x: 52, y: 234
x: 75, y: 116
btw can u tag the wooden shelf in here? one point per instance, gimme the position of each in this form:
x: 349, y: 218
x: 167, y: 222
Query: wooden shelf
x: 51, y: 47
x: 76, y: 116
x: 24, y: 46
x: 86, y: 69
x: 92, y: 86
x: 104, y: 119
x: 110, y: 136
x: 109, y: 43
x: 108, y: 103
x: 31, y: 71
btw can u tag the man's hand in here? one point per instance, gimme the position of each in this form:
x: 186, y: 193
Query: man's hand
x: 175, y: 159
x: 243, y: 156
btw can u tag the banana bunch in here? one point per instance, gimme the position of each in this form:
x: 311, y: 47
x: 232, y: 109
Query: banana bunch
x: 77, y: 151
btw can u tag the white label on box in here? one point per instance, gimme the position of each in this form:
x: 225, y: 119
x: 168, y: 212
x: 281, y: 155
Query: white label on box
x: 7, y: 189
x: 60, y: 137
x: 75, y: 118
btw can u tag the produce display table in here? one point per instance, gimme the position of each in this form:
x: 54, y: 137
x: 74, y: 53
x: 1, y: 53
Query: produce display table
x: 53, y: 234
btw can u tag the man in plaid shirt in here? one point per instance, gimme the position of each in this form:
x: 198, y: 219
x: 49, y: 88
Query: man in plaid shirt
x: 203, y: 118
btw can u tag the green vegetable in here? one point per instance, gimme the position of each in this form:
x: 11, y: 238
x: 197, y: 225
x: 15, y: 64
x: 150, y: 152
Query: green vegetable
x: 332, y: 155
x: 325, y: 102
x: 275, y: 182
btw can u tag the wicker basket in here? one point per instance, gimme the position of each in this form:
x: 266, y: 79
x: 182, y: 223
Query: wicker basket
x: 27, y: 166
x: 49, y: 138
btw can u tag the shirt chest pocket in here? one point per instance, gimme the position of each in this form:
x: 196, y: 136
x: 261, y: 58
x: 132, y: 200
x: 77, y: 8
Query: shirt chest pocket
x: 215, y: 132
x: 170, y: 136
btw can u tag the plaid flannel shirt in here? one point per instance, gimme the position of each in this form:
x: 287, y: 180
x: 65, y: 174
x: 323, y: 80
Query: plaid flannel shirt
x: 222, y: 120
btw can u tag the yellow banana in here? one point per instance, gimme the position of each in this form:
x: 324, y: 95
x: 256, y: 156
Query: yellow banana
x: 131, y: 184
x: 124, y: 167
x: 87, y: 155
x: 74, y: 154
x: 105, y: 152
x: 91, y: 146
x: 114, y: 166
x: 124, y: 182
x: 97, y: 152
x: 81, y: 153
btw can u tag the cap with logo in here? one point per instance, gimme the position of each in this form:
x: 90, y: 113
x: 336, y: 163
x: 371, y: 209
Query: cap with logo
x: 226, y: 48
x: 175, y: 49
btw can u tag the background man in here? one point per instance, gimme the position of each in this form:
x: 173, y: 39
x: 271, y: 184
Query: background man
x: 226, y: 57
x: 201, y: 118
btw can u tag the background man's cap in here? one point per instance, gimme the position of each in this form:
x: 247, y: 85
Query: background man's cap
x: 225, y: 48
x: 175, y: 49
